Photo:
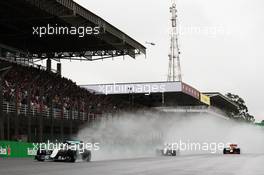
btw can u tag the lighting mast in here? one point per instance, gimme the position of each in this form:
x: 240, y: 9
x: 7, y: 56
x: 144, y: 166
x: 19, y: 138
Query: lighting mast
x: 174, y: 71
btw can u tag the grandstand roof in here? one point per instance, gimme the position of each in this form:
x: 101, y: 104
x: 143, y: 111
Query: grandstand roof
x: 135, y: 88
x: 18, y: 17
x: 221, y: 101
x: 150, y: 93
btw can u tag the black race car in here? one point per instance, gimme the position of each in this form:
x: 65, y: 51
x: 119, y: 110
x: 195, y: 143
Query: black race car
x: 69, y: 151
x: 166, y: 151
x: 232, y: 149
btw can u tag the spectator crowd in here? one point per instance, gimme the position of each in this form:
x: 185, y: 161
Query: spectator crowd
x: 41, y: 89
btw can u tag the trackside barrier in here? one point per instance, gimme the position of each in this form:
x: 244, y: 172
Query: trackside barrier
x: 14, y: 149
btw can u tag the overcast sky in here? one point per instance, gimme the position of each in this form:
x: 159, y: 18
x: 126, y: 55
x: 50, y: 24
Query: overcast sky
x: 221, y: 44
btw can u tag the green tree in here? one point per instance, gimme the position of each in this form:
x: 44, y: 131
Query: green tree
x: 243, y: 113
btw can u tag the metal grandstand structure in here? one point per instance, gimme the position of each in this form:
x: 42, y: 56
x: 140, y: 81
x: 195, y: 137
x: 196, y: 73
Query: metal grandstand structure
x: 18, y: 17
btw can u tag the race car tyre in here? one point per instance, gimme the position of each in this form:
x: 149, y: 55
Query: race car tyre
x: 87, y: 156
x: 39, y: 156
x: 173, y: 153
x: 237, y: 151
x: 224, y: 151
x: 72, y: 156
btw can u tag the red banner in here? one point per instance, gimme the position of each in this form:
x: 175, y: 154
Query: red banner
x: 190, y: 91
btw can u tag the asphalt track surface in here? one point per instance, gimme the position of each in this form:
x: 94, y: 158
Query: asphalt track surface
x: 182, y: 165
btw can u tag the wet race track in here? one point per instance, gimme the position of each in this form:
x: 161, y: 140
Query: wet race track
x: 181, y: 165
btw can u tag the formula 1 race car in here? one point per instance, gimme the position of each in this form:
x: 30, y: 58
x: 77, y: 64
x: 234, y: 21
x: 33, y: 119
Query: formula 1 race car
x: 166, y: 151
x: 232, y: 149
x: 68, y: 151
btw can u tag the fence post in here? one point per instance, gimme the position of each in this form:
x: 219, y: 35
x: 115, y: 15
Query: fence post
x: 8, y: 126
x: 29, y: 115
x: 40, y: 117
x: 51, y: 118
x: 2, y: 126
x: 71, y: 121
x: 61, y: 123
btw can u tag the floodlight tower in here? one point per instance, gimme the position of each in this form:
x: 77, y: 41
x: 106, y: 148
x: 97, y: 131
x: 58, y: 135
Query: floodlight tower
x: 174, y: 71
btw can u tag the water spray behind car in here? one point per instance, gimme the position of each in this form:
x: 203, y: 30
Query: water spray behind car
x: 140, y: 134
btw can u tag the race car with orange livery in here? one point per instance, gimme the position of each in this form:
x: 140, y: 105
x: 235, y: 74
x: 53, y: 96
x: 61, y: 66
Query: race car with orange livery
x: 232, y: 149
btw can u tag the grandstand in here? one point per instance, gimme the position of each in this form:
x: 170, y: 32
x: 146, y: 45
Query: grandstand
x: 166, y: 97
x: 36, y: 102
